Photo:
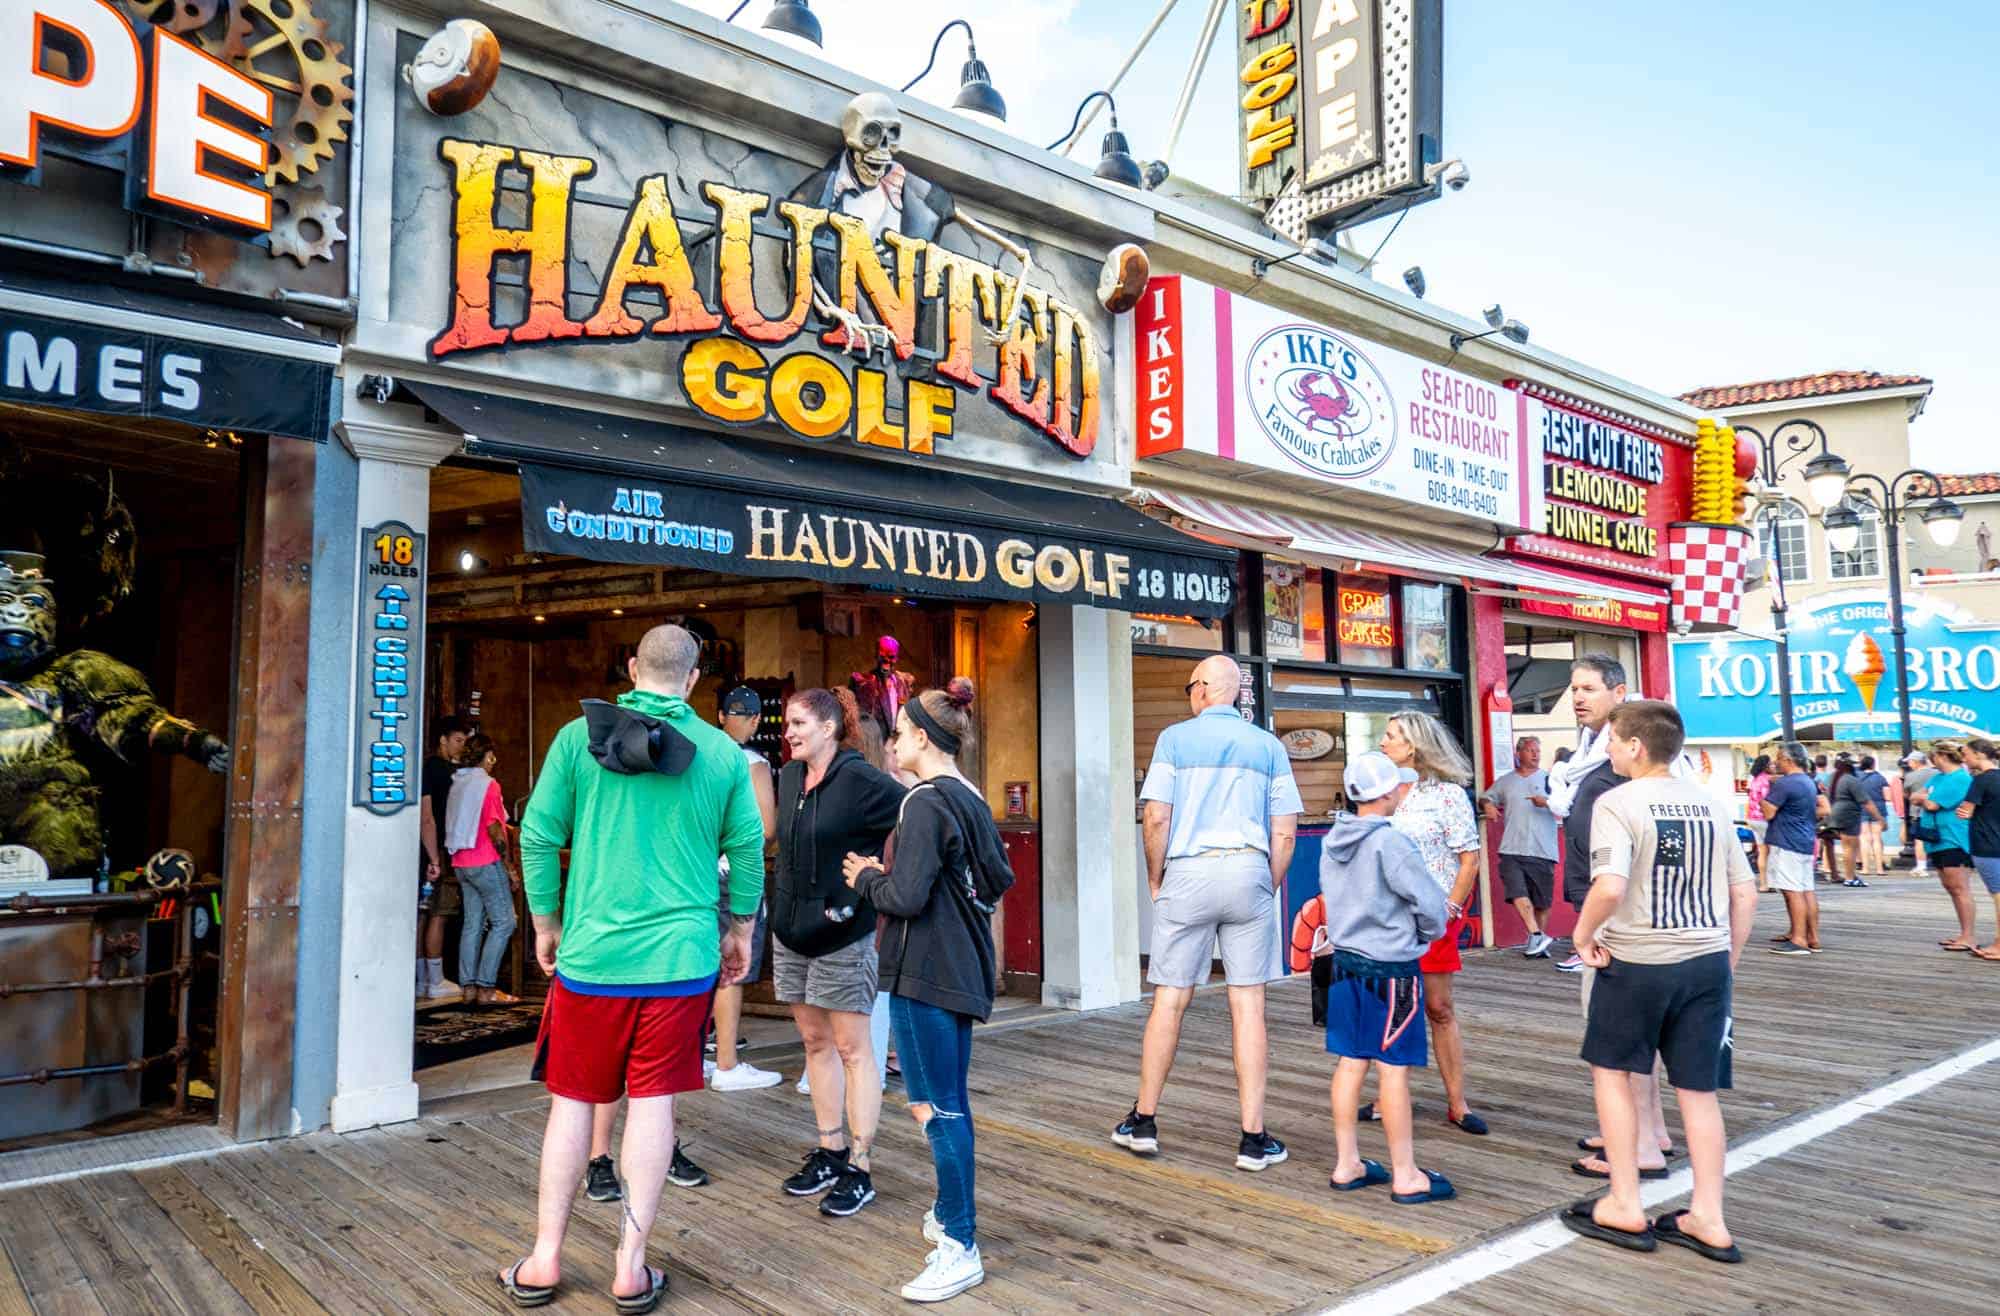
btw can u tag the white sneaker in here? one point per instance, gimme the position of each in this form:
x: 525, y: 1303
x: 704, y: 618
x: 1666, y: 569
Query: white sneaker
x: 444, y: 987
x: 804, y: 1085
x: 952, y: 1270
x: 1538, y: 946
x: 1574, y: 964
x: 707, y: 1071
x: 744, y: 1077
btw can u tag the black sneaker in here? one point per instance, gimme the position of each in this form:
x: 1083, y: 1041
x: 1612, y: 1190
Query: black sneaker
x: 817, y: 1175
x: 1137, y: 1133
x: 1257, y: 1150
x: 851, y: 1191
x: 683, y: 1172
x: 602, y: 1182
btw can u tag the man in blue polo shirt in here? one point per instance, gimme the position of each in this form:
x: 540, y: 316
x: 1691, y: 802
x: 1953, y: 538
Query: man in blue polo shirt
x: 1222, y: 815
x: 1791, y: 819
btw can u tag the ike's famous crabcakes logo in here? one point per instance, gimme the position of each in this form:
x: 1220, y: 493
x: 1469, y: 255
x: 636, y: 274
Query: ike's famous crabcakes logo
x: 1321, y: 401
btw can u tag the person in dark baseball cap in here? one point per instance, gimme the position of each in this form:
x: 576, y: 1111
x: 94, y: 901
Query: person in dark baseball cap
x: 742, y: 701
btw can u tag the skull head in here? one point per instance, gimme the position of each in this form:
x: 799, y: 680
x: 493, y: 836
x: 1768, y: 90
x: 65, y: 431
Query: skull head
x: 27, y: 613
x: 873, y: 128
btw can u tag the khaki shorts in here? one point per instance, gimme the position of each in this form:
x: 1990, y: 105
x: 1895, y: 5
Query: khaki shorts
x: 843, y: 979
x: 1788, y: 870
x: 1216, y: 901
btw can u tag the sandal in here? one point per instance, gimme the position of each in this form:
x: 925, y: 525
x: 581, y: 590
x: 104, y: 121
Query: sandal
x: 494, y: 996
x: 1582, y: 1168
x: 1668, y: 1230
x: 1469, y: 1123
x: 1367, y: 1113
x: 643, y: 1302
x: 1595, y: 1146
x: 1440, y: 1190
x: 526, y: 1295
x: 1956, y: 945
x: 1576, y: 1216
x: 1372, y: 1173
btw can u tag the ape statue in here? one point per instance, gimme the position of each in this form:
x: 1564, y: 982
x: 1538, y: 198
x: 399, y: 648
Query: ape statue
x: 51, y: 705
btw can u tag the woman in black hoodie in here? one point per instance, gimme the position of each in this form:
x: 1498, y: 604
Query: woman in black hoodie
x: 830, y: 802
x: 946, y: 872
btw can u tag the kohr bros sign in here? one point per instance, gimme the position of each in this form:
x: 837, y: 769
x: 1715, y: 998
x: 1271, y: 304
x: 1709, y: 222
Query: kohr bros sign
x: 1843, y: 672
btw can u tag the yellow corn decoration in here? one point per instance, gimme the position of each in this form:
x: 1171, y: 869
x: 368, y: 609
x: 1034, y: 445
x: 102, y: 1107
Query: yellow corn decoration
x: 1715, y: 489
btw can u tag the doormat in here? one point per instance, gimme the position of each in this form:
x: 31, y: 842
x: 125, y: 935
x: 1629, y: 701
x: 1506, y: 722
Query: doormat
x: 454, y: 1032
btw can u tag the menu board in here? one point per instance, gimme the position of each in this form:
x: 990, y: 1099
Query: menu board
x: 1426, y: 628
x: 1365, y: 619
x: 1294, y: 612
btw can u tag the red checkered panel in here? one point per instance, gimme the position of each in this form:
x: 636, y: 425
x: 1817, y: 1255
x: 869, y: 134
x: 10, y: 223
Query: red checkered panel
x: 1708, y: 562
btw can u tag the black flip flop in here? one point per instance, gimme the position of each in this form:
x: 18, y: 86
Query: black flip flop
x: 1667, y: 1228
x: 1578, y: 1167
x: 1584, y: 1144
x: 644, y: 1302
x: 526, y: 1295
x: 1576, y: 1216
x: 1367, y: 1114
x: 1372, y: 1173
x: 1439, y: 1191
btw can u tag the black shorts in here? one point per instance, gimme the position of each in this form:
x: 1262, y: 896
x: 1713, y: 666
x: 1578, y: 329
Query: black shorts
x: 1947, y: 858
x: 1526, y: 877
x: 1677, y: 1012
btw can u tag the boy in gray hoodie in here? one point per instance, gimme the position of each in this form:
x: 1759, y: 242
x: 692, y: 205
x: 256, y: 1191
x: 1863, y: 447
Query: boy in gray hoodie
x: 1382, y: 910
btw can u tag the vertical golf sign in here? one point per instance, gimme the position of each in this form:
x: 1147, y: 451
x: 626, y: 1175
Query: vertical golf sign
x: 1267, y: 48
x: 389, y: 647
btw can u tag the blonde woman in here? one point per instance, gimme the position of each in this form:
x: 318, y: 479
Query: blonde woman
x: 1436, y: 813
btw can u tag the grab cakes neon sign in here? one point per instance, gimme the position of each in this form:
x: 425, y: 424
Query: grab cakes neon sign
x: 78, y: 67
x: 1040, y: 353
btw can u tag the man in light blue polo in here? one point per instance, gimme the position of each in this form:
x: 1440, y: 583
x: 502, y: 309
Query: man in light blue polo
x: 1222, y: 814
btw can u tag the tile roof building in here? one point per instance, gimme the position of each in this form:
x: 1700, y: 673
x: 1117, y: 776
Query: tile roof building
x: 1825, y: 384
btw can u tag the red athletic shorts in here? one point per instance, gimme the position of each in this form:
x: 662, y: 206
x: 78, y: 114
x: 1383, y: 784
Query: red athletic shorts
x: 1442, y: 957
x: 600, y: 1048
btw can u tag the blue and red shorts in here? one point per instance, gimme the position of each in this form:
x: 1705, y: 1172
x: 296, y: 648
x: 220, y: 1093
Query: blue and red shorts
x: 1377, y: 1018
x: 601, y: 1048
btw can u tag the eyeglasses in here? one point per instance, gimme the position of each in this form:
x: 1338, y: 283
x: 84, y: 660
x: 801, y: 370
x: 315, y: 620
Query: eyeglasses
x: 1188, y: 689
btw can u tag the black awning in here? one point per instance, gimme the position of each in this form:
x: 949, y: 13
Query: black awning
x: 621, y: 490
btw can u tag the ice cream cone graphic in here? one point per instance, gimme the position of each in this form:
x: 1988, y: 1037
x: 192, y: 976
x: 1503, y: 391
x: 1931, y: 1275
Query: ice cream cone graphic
x: 1865, y: 667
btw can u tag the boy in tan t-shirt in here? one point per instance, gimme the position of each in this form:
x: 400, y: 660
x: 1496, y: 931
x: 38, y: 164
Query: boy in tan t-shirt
x: 1670, y: 906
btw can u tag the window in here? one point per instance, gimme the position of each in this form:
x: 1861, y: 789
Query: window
x: 1865, y: 562
x: 1781, y: 538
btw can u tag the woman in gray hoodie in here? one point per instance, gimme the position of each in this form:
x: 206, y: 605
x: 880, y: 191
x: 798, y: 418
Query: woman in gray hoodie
x: 1382, y: 910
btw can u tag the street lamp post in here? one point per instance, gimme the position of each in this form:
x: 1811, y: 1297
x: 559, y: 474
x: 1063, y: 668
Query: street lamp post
x: 1894, y: 500
x: 1798, y: 438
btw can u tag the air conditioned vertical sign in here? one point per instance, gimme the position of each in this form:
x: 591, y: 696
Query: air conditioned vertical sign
x: 389, y: 643
x: 1267, y: 45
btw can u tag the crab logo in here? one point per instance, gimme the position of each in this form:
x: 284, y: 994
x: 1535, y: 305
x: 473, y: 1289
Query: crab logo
x: 1320, y: 401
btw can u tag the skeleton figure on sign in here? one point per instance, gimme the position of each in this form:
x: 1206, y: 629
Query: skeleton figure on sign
x: 866, y: 181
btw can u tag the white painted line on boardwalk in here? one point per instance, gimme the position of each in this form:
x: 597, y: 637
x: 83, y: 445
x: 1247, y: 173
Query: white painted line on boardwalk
x: 1548, y: 1234
x: 126, y: 1167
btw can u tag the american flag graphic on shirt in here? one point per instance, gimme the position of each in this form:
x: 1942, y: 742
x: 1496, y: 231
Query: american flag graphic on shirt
x: 1683, y: 878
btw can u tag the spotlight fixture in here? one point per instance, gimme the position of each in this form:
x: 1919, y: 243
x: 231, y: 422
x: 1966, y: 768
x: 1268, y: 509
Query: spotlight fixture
x: 1512, y: 330
x: 469, y: 561
x: 1495, y: 317
x: 540, y: 617
x: 1115, y: 163
x: 976, y: 96
x: 1413, y: 279
x: 618, y: 612
x: 789, y: 21
x: 1318, y: 248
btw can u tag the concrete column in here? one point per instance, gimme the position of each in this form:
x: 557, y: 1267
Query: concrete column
x: 1090, y: 933
x: 378, y: 917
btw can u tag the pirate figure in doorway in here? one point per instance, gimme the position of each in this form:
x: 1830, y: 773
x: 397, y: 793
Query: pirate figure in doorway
x: 53, y: 705
x: 883, y: 691
x: 867, y: 181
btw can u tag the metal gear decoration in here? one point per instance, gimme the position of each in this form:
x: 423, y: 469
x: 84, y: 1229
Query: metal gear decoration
x: 286, y: 47
x: 177, y: 16
x: 304, y: 224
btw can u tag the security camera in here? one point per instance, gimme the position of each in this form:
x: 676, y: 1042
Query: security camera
x: 1454, y: 174
x: 1682, y: 626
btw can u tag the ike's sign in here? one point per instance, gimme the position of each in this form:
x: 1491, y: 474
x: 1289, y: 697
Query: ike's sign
x: 200, y: 128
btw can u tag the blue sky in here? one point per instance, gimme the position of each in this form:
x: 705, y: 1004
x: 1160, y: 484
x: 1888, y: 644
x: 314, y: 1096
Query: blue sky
x: 1683, y: 194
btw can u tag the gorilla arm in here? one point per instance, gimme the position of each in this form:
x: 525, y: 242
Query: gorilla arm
x: 113, y: 703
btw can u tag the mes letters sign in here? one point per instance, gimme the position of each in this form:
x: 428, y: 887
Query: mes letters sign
x: 199, y: 127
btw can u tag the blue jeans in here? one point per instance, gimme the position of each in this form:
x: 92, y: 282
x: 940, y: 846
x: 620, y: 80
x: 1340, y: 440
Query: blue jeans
x: 489, y: 922
x: 935, y: 1049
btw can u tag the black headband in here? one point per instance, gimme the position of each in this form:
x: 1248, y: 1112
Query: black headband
x: 943, y: 739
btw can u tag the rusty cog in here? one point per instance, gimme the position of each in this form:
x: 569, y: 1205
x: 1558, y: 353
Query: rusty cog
x: 304, y: 224
x: 286, y: 47
x: 177, y: 16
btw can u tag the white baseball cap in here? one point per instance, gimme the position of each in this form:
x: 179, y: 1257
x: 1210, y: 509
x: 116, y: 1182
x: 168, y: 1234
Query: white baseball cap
x: 1370, y: 776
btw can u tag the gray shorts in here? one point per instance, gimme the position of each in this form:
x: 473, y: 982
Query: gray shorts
x: 838, y: 980
x: 1211, y: 900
